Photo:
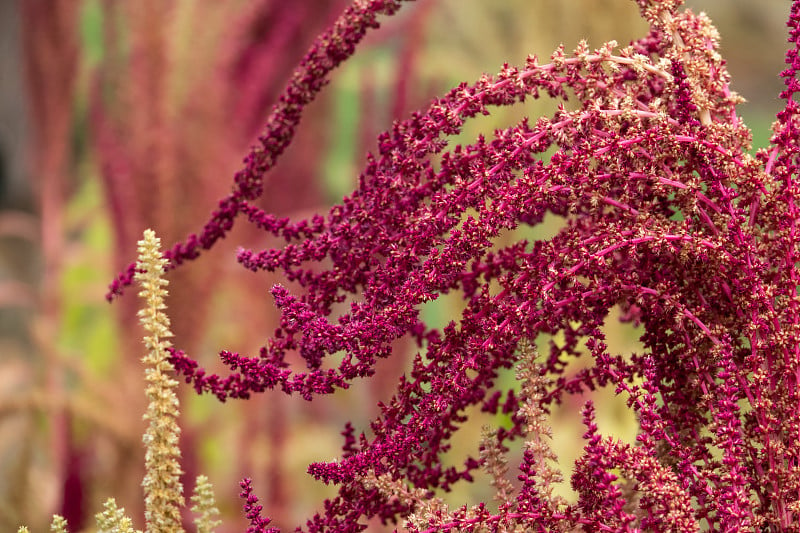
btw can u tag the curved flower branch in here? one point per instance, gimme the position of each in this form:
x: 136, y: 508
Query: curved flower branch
x: 667, y: 216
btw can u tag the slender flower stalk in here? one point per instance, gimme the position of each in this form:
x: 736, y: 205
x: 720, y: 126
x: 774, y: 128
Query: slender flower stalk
x: 162, y: 486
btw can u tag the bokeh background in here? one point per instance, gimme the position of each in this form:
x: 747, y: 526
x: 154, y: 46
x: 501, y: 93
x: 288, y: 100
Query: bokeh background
x: 117, y: 116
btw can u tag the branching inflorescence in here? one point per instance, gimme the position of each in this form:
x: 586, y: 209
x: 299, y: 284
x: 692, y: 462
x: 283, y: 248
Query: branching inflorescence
x: 667, y: 217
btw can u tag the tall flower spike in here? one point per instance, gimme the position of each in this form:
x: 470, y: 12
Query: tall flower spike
x: 162, y: 486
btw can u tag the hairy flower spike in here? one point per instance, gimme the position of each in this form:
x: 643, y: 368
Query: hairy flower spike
x: 58, y: 525
x: 204, y: 506
x: 495, y: 463
x: 252, y: 510
x: 113, y: 519
x: 538, y: 471
x: 162, y: 486
x: 310, y: 76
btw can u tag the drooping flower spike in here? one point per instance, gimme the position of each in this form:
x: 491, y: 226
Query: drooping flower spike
x: 666, y: 216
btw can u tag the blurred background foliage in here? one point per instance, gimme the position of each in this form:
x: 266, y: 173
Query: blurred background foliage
x: 118, y: 116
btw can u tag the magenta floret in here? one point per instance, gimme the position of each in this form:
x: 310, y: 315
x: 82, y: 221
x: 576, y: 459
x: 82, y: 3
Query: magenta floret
x: 666, y: 215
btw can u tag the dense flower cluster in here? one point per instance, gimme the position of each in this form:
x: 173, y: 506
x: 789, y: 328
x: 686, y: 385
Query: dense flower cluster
x: 667, y: 216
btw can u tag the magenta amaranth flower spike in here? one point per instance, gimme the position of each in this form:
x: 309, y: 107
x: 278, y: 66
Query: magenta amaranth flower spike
x: 667, y: 216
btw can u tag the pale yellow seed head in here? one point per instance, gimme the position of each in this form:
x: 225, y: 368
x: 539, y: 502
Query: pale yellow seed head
x: 162, y: 487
